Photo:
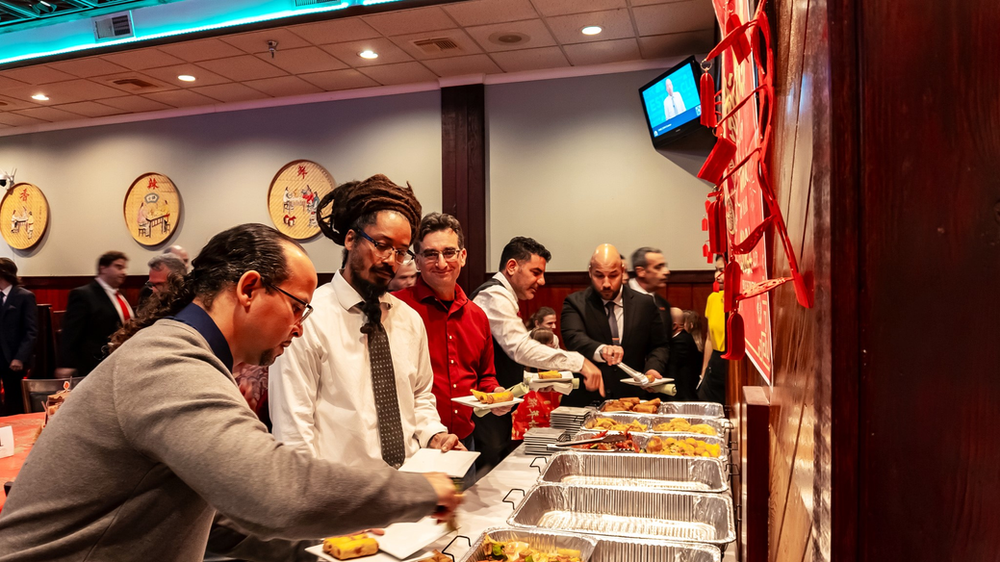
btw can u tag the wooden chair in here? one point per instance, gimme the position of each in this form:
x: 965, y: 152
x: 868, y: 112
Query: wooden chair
x: 37, y: 391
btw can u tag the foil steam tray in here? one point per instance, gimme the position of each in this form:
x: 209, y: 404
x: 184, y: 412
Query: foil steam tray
x: 628, y: 512
x: 721, y: 426
x: 641, y: 439
x: 541, y: 539
x: 700, y: 409
x: 661, y: 472
x: 618, y: 550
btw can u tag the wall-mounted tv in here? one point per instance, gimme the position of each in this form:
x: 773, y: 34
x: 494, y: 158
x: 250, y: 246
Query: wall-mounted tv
x: 671, y: 103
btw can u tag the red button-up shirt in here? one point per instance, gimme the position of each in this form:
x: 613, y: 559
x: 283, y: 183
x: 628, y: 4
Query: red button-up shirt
x: 461, y: 348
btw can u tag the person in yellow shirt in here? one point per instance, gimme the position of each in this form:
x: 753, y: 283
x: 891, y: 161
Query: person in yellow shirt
x: 714, y: 370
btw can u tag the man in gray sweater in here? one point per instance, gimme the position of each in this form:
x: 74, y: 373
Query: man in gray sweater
x: 158, y: 440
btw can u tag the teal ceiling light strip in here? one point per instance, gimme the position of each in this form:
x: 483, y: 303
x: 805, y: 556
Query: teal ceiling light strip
x: 158, y: 22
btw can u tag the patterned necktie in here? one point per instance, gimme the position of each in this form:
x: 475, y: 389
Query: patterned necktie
x: 613, y: 322
x: 390, y: 428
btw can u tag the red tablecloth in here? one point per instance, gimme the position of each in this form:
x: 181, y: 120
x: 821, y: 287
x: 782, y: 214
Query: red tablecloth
x: 25, y: 430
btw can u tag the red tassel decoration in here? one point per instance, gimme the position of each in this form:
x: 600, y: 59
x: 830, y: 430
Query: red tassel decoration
x: 733, y: 282
x: 735, y: 337
x: 718, y: 160
x: 707, y: 94
x: 721, y: 227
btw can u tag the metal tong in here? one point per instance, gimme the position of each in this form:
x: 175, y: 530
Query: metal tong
x: 636, y: 375
x: 609, y: 438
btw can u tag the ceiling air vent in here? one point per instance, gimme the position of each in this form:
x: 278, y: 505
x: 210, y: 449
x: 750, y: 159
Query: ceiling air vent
x: 113, y: 26
x: 436, y: 45
x: 134, y: 84
x: 312, y: 2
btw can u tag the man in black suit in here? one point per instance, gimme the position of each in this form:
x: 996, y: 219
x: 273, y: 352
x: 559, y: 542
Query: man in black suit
x: 684, y: 365
x: 610, y: 323
x: 94, y: 312
x: 18, y: 331
x: 651, y: 274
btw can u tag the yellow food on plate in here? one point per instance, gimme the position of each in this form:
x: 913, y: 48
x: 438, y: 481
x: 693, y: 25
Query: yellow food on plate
x: 520, y: 551
x: 615, y: 425
x: 683, y: 426
x: 689, y: 447
x: 351, y: 546
x: 549, y: 375
x: 436, y: 557
x: 493, y: 397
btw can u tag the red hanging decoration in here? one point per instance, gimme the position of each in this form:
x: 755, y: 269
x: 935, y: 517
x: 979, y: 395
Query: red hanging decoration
x: 718, y: 160
x: 741, y: 45
x: 735, y: 338
x: 707, y: 94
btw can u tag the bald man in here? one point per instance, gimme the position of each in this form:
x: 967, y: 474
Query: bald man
x: 610, y: 323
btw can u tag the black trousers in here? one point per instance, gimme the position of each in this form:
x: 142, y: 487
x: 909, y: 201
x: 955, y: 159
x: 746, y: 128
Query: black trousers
x: 713, y: 388
x: 492, y: 437
x: 13, y: 403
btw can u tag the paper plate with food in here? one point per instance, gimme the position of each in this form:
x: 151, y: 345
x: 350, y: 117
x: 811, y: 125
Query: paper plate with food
x: 488, y: 400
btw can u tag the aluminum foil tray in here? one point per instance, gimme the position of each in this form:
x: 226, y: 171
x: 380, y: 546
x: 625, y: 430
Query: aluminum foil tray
x: 542, y: 539
x: 637, y: 470
x: 619, y: 550
x: 702, y: 409
x: 641, y: 439
x: 721, y: 426
x: 628, y: 512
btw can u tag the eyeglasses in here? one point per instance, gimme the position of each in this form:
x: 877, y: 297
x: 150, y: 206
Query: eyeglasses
x: 306, y: 307
x: 382, y: 250
x: 450, y: 254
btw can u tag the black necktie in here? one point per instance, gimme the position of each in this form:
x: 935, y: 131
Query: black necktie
x: 615, y: 338
x: 390, y: 428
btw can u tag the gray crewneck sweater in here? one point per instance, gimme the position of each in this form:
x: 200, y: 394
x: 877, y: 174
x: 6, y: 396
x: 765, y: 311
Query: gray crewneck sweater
x: 154, y: 441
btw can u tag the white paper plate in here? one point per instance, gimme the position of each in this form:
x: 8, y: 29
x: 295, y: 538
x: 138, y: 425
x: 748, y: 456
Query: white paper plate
x: 402, y: 541
x: 454, y: 463
x: 377, y: 557
x: 657, y: 382
x: 472, y: 402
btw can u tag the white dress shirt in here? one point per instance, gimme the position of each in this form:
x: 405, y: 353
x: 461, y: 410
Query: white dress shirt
x: 500, y: 305
x: 633, y: 284
x: 619, y: 319
x: 113, y: 295
x: 320, y: 389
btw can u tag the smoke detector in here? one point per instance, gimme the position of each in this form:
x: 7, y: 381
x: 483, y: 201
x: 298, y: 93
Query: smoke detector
x: 509, y: 38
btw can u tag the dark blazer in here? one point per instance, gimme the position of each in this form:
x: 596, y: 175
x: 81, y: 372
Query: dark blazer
x: 87, y: 326
x: 684, y: 365
x: 664, y: 306
x: 18, y: 327
x: 645, y: 339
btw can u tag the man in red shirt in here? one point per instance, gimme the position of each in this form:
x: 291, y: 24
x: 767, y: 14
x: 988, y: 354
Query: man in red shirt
x: 458, y: 332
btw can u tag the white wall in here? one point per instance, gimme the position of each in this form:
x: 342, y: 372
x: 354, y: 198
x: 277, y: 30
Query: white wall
x: 571, y: 165
x: 222, y: 164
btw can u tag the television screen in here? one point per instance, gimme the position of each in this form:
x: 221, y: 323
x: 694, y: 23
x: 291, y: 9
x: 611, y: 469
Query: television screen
x: 671, y: 102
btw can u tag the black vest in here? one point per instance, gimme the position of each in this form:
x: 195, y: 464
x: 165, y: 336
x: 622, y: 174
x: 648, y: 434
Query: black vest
x: 508, y: 371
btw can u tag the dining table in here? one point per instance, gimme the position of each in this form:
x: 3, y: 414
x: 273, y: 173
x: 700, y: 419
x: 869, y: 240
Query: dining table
x: 26, y: 429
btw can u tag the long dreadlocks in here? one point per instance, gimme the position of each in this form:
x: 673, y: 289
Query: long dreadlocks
x: 355, y: 204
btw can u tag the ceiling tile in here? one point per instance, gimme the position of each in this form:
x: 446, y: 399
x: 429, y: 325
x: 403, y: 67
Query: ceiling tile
x: 561, y: 7
x: 203, y: 49
x: 90, y: 109
x: 40, y: 74
x: 181, y: 98
x: 10, y: 104
x: 538, y: 35
x: 339, y: 80
x: 530, y: 59
x: 135, y: 104
x: 602, y: 52
x: 677, y: 44
x: 409, y: 21
x: 256, y: 42
x: 15, y: 120
x: 245, y: 67
x: 335, y: 31
x: 675, y: 17
x: 85, y: 68
x: 10, y: 83
x: 232, y: 92
x: 122, y: 83
x: 283, y: 86
x: 388, y: 53
x: 650, y: 2
x: 466, y: 46
x: 64, y: 92
x: 4, y: 126
x: 142, y: 59
x: 403, y: 73
x: 615, y: 24
x: 169, y: 74
x: 49, y: 114
x: 459, y: 66
x: 304, y: 60
x: 483, y: 12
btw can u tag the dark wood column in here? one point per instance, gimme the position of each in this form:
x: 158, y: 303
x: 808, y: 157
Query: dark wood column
x: 463, y: 182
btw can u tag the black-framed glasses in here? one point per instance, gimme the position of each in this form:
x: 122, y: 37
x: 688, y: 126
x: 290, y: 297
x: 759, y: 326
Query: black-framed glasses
x: 382, y: 250
x: 306, y: 307
x: 450, y: 254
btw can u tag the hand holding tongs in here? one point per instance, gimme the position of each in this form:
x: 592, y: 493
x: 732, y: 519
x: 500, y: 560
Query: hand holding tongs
x: 636, y: 375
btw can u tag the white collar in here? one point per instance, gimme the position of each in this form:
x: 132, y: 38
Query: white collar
x: 107, y: 288
x: 6, y: 292
x: 633, y: 284
x: 348, y: 296
x: 506, y: 284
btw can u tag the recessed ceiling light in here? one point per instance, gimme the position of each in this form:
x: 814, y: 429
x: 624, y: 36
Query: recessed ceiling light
x: 186, y: 78
x: 40, y: 97
x: 591, y: 30
x: 368, y: 54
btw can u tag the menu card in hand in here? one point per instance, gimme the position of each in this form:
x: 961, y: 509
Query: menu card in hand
x: 453, y: 463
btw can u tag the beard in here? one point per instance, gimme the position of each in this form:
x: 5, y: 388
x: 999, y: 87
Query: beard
x: 370, y: 291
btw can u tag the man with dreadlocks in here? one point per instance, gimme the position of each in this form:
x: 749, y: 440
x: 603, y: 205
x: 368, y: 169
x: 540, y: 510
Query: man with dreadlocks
x: 158, y: 439
x: 357, y: 387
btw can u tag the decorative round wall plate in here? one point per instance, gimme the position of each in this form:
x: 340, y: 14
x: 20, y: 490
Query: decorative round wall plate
x: 24, y: 216
x: 152, y: 209
x: 294, y: 197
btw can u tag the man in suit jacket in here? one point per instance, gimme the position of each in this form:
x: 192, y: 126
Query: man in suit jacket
x: 651, y: 274
x: 94, y: 312
x: 610, y: 324
x: 684, y: 365
x: 18, y: 331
